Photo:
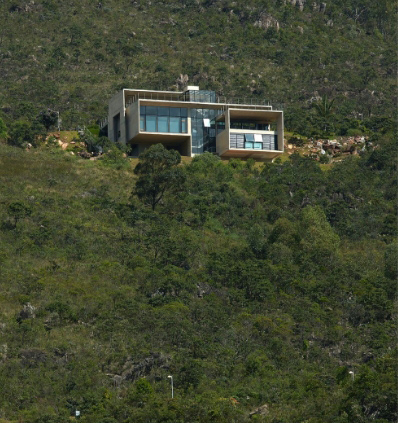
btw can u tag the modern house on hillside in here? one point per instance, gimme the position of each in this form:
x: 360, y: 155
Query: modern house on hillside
x: 195, y: 121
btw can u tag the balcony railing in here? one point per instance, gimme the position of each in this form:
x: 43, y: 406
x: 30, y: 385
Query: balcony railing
x: 244, y: 101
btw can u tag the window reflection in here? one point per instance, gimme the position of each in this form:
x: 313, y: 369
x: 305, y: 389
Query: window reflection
x: 163, y: 119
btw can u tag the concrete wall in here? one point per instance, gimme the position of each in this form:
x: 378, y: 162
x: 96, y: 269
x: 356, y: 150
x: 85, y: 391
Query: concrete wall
x: 281, y: 134
x: 116, y: 105
x: 132, y: 121
x: 222, y: 142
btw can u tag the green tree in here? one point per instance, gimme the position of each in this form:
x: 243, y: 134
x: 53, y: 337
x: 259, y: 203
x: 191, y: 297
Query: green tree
x: 18, y: 211
x: 23, y: 133
x: 319, y: 242
x: 325, y: 109
x: 158, y: 172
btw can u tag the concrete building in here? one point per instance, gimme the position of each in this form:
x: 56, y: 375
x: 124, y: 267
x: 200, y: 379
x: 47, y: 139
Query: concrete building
x: 195, y: 121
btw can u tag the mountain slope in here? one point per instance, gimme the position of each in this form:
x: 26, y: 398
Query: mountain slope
x: 252, y: 287
x: 72, y: 56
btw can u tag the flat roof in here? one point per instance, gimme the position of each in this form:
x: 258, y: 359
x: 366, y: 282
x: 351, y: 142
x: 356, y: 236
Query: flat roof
x: 172, y: 96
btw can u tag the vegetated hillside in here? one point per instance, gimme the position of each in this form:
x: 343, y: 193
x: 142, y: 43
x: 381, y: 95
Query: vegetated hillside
x: 267, y: 287
x: 73, y: 55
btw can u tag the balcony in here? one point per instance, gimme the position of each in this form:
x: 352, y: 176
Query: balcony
x: 254, y: 144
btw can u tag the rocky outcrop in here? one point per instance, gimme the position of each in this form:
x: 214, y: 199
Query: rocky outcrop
x: 262, y: 410
x: 182, y: 82
x: 28, y: 312
x: 133, y: 370
x: 300, y: 4
x: 267, y: 21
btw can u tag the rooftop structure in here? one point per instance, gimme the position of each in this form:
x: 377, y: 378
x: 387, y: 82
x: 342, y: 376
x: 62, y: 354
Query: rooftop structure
x: 195, y: 121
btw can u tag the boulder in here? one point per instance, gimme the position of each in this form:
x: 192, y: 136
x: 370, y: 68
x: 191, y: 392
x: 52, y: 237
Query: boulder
x: 133, y: 370
x: 300, y: 4
x: 27, y: 312
x: 84, y: 154
x: 262, y: 410
x: 267, y: 21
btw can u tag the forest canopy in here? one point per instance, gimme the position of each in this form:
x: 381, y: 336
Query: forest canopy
x: 265, y: 289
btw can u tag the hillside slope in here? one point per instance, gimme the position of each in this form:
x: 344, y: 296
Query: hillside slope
x: 73, y: 55
x: 269, y: 287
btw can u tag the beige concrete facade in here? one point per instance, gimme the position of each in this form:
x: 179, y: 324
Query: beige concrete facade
x: 124, y: 123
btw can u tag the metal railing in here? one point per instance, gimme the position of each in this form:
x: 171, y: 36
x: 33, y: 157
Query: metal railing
x: 244, y: 101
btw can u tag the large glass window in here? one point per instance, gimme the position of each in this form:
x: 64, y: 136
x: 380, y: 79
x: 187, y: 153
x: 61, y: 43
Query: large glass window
x: 151, y: 123
x: 252, y: 126
x: 163, y: 119
x: 151, y: 110
x: 175, y: 111
x: 184, y: 124
x: 175, y: 124
x: 163, y: 111
x: 163, y: 124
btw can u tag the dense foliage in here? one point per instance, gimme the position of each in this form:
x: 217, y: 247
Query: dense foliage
x: 252, y: 286
x: 71, y: 56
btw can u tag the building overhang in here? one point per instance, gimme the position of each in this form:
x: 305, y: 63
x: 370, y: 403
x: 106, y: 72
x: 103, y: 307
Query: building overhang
x: 169, y: 139
x: 252, y: 114
x: 245, y: 153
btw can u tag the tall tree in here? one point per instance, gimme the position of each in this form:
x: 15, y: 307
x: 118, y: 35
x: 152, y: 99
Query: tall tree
x: 158, y: 172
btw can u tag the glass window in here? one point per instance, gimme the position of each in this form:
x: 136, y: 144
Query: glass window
x: 184, y: 112
x: 151, y: 110
x: 163, y: 111
x: 184, y: 124
x: 163, y: 124
x: 142, y: 110
x: 258, y: 145
x: 175, y: 111
x: 174, y: 124
x: 249, y: 137
x: 142, y: 123
x: 151, y: 123
x: 249, y: 145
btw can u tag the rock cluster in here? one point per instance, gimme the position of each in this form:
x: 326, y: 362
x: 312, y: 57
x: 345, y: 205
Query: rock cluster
x: 315, y: 148
x: 133, y: 370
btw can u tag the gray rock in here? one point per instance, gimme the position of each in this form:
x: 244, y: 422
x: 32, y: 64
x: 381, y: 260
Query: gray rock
x: 267, y: 21
x: 28, y: 312
x: 300, y: 4
x: 133, y: 370
x: 262, y: 410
